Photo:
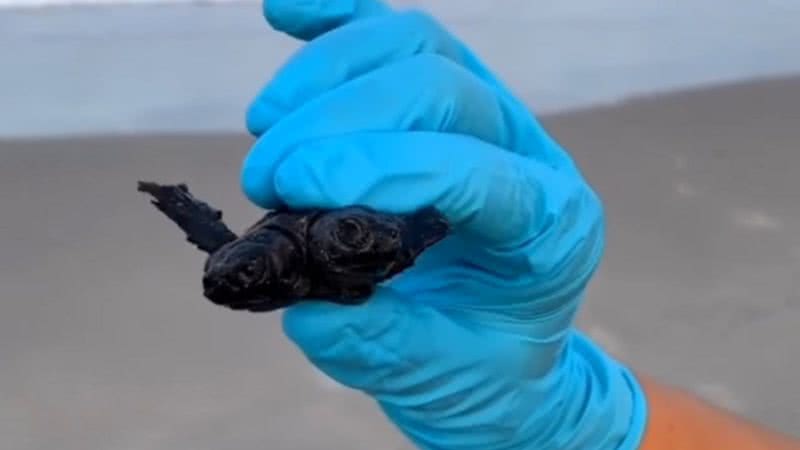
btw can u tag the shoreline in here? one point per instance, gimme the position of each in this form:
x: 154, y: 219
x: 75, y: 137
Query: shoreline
x: 790, y: 82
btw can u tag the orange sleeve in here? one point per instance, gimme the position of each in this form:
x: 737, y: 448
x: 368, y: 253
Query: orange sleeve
x: 679, y: 421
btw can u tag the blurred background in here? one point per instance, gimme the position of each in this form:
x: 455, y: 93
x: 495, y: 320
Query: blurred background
x: 683, y: 114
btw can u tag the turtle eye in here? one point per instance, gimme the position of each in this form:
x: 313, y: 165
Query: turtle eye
x: 252, y: 271
x: 354, y: 235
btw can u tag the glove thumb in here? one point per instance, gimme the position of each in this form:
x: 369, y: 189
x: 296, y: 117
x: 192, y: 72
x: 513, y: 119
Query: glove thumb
x: 361, y: 346
x: 307, y: 19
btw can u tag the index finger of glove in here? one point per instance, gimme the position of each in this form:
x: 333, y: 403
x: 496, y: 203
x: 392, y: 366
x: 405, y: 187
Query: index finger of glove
x: 357, y: 48
x: 515, y: 208
x: 425, y: 92
x: 353, y: 50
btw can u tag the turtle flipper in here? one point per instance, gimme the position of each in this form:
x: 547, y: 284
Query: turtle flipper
x: 202, y: 224
x: 424, y: 228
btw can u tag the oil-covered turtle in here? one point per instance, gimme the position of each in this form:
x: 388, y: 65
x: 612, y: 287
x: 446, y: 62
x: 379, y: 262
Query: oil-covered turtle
x: 338, y: 255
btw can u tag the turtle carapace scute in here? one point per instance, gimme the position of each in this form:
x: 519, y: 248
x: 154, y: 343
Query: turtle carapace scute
x: 338, y: 255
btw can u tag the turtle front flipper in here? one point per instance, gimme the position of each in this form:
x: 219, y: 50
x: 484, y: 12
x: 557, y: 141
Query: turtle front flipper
x: 202, y: 224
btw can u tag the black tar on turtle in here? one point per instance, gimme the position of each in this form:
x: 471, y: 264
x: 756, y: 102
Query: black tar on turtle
x: 339, y: 255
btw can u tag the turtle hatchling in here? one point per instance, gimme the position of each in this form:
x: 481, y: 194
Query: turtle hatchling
x: 338, y: 255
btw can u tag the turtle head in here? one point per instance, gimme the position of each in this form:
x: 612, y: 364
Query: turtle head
x: 237, y: 272
x: 261, y: 271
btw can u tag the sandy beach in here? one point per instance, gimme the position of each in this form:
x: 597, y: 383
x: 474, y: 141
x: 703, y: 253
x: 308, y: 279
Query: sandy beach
x: 107, y: 343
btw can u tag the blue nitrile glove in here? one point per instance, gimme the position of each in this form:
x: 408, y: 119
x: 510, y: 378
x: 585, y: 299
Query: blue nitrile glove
x: 473, y: 348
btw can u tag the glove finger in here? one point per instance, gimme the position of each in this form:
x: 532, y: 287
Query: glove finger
x: 358, y: 48
x: 527, y: 221
x: 356, y: 345
x: 307, y: 19
x: 425, y: 92
x: 420, y: 364
x: 382, y: 346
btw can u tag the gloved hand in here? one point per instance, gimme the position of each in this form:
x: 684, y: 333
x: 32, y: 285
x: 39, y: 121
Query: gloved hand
x: 474, y: 347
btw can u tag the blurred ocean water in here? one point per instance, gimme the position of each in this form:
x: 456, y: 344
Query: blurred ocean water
x: 186, y: 65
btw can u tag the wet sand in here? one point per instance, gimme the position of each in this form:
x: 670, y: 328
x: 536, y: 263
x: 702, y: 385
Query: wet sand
x: 106, y: 342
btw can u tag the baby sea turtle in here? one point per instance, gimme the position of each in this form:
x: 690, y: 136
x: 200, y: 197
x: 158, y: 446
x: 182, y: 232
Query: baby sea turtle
x: 338, y: 255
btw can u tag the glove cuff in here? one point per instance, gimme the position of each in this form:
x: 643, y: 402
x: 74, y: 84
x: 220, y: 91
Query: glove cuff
x: 638, y: 422
x: 611, y: 412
